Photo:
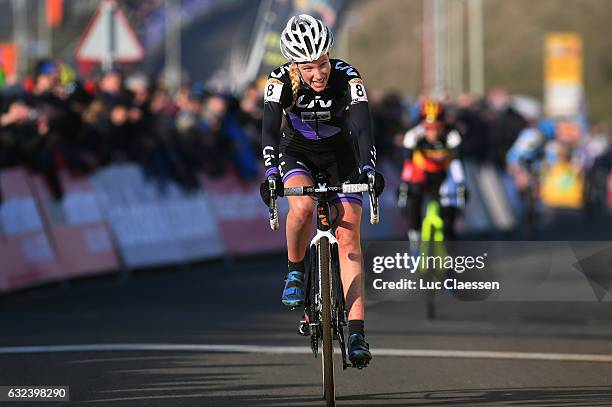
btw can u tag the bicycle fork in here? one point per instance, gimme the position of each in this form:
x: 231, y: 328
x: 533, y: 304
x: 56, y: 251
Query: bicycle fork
x: 313, y: 301
x: 339, y: 317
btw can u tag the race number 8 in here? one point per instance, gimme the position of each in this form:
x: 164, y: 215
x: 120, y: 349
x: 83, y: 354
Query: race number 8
x: 358, y: 92
x: 274, y: 89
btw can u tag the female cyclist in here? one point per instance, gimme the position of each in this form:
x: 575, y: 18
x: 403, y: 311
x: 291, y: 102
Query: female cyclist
x: 327, y: 119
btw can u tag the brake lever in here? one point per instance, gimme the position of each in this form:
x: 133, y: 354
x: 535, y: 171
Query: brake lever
x: 461, y: 198
x: 374, y: 216
x: 273, y: 209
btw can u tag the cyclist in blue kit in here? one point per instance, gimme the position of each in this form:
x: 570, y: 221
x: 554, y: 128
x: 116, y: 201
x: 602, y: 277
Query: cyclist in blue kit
x: 327, y: 128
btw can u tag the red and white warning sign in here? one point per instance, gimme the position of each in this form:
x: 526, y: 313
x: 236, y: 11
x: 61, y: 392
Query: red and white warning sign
x: 109, y: 37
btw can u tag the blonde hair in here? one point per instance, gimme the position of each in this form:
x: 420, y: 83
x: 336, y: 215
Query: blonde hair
x: 294, y: 75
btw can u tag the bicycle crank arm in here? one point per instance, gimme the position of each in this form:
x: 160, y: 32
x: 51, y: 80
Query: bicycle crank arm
x: 343, y: 350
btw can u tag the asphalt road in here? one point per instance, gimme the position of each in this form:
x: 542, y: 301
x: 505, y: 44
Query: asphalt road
x: 215, y: 334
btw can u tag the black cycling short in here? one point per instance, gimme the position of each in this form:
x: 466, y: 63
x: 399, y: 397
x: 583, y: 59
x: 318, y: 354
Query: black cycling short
x: 334, y: 156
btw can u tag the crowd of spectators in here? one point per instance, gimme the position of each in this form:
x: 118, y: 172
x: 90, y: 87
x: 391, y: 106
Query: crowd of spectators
x: 53, y: 121
x: 48, y: 124
x: 488, y: 125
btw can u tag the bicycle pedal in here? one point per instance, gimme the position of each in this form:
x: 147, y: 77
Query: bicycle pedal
x: 304, y: 328
x: 360, y: 366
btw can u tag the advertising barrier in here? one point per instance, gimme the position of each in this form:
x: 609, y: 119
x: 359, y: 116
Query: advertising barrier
x: 120, y: 218
x: 27, y: 255
x: 241, y: 217
x: 76, y: 226
x: 154, y: 222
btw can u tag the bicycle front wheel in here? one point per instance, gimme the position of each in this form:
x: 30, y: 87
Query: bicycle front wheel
x: 329, y: 391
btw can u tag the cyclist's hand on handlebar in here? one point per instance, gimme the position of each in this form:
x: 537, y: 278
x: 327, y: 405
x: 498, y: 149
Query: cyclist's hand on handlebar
x: 462, y: 195
x: 403, y: 193
x: 264, y: 188
x: 379, y: 180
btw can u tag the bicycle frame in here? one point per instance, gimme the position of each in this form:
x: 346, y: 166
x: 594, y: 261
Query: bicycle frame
x: 432, y: 242
x: 314, y: 285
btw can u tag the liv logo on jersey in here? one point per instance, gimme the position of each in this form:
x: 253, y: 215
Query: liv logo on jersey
x: 350, y: 71
x: 268, y: 156
x: 373, y: 156
x: 325, y: 104
x: 280, y: 73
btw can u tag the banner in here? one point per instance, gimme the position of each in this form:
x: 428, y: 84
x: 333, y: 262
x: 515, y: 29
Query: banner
x: 8, y: 59
x: 77, y: 227
x: 27, y: 255
x: 55, y: 12
x: 242, y: 217
x: 155, y: 222
x: 563, y: 75
x: 119, y: 217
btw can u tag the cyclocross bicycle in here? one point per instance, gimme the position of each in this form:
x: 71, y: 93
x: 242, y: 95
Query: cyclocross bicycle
x: 432, y: 242
x: 324, y: 304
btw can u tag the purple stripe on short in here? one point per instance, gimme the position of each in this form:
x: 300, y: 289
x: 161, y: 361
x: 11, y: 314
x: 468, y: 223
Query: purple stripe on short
x: 353, y: 195
x: 294, y: 172
x: 351, y: 198
x: 368, y: 168
x: 271, y: 170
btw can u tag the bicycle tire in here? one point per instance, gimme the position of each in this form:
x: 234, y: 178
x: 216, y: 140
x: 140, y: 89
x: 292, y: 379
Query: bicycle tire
x: 431, y: 293
x: 530, y: 209
x: 329, y: 390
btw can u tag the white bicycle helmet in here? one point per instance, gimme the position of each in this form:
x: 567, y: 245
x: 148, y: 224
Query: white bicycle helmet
x: 305, y: 39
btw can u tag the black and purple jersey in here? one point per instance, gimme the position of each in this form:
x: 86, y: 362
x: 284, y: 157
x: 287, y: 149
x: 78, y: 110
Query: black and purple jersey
x: 319, y: 119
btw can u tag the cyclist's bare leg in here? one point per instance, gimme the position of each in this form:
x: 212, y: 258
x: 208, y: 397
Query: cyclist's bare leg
x: 348, y: 226
x: 299, y: 220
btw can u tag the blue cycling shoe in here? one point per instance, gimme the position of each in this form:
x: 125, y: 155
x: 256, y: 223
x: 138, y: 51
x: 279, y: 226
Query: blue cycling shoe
x: 293, y: 293
x: 359, y: 351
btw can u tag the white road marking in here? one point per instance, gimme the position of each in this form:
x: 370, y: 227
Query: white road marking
x: 302, y: 350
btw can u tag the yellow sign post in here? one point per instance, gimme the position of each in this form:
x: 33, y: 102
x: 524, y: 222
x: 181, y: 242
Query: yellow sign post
x: 563, y: 74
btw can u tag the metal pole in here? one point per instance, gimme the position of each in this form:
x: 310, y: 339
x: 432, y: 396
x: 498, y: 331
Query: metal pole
x: 108, y: 11
x: 450, y: 47
x: 455, y: 46
x: 258, y: 43
x: 173, y: 44
x: 459, y: 45
x: 44, y: 31
x: 20, y: 36
x: 436, y: 46
x: 426, y: 46
x: 476, y: 47
x: 440, y: 84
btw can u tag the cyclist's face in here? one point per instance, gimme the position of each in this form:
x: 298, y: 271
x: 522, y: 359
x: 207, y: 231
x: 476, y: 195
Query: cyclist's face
x: 316, y: 73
